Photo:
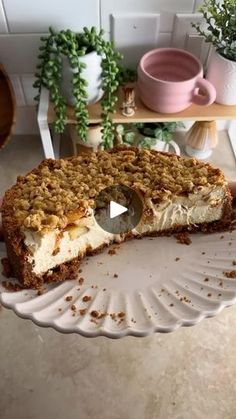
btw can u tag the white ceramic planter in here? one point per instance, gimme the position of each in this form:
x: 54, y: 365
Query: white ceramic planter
x: 94, y: 137
x: 222, y: 74
x: 92, y: 74
x: 162, y: 146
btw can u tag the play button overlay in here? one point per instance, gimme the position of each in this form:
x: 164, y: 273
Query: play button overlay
x: 118, y: 209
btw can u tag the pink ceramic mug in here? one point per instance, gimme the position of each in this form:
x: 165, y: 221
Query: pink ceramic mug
x: 171, y: 79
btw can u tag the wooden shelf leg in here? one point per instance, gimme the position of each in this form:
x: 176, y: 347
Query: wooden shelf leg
x: 43, y: 125
x: 56, y: 145
x: 232, y: 136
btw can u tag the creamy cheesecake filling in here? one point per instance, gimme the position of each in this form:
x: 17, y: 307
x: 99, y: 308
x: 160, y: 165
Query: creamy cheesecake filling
x: 202, y: 206
x: 56, y: 247
x: 46, y: 254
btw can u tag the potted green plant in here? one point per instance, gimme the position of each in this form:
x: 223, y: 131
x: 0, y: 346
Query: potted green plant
x: 79, y: 68
x: 219, y: 29
x: 156, y: 135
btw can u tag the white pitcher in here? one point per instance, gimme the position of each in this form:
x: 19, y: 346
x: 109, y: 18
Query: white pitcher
x: 163, y: 146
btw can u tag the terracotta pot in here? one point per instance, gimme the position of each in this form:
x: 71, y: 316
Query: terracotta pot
x: 222, y: 74
x: 169, y: 80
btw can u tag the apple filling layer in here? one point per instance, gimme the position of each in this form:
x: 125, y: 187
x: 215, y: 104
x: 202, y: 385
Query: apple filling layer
x: 59, y: 246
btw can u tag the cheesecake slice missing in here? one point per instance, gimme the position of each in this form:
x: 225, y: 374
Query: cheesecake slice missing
x: 48, y: 216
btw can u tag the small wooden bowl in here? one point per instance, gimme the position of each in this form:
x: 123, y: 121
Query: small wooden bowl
x: 7, y: 107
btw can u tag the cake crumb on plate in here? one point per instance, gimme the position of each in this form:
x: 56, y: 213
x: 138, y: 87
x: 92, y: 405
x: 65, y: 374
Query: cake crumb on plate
x: 81, y: 281
x: 82, y: 311
x: 112, y: 252
x: 87, y: 298
x: 183, y: 238
x: 230, y: 274
x: 13, y: 287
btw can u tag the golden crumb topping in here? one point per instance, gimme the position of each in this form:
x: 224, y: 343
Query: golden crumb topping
x: 59, y: 191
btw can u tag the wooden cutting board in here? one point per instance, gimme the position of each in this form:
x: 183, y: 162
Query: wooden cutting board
x: 7, y: 107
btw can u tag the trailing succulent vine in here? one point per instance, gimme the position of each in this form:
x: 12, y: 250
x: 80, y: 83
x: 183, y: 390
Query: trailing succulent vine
x: 49, y: 74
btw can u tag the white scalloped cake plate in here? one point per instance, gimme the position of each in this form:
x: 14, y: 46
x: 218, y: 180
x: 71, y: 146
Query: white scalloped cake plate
x: 143, y: 282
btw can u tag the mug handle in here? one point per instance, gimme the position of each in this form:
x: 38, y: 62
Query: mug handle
x: 175, y: 147
x: 209, y: 93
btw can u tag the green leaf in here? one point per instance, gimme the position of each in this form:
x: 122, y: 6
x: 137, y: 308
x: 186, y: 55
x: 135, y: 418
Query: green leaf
x: 170, y: 126
x: 36, y: 84
x: 180, y: 124
x: 139, y: 125
x: 51, y: 30
x: 158, y: 133
x: 120, y: 129
x: 148, y: 131
x: 129, y: 137
x: 166, y: 136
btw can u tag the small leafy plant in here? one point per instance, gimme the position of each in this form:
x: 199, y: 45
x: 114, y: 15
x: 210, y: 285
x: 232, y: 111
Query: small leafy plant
x: 220, y: 31
x: 49, y: 74
x: 151, y: 132
x: 127, y: 134
x: 154, y: 131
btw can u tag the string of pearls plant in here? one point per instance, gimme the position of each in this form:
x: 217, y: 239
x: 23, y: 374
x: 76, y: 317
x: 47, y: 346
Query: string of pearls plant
x: 49, y: 74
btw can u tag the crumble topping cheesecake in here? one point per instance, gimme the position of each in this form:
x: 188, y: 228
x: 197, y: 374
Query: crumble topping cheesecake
x: 48, y: 216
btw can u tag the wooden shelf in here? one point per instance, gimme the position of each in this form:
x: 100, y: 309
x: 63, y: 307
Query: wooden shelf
x: 143, y: 114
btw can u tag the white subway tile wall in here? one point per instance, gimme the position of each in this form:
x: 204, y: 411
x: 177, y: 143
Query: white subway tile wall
x: 22, y: 22
x: 198, y: 3
x: 167, y: 9
x: 194, y: 43
x: 27, y: 81
x: 135, y: 34
x: 18, y: 52
x: 18, y: 89
x: 182, y: 28
x: 185, y: 36
x: 36, y: 16
x: 164, y: 40
x: 26, y: 120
